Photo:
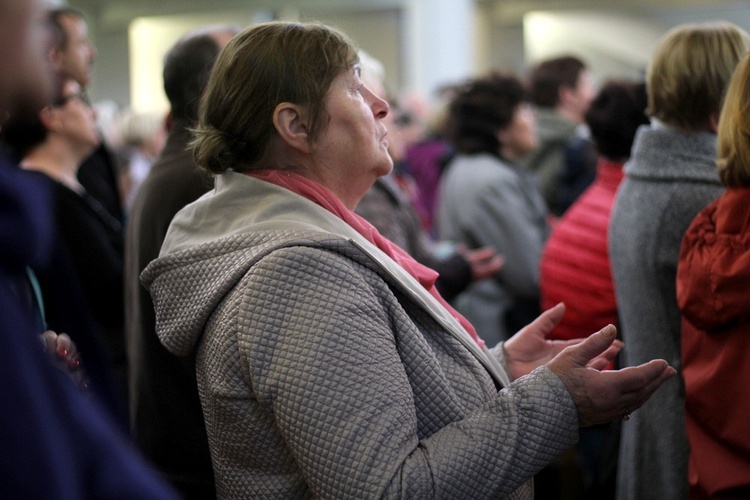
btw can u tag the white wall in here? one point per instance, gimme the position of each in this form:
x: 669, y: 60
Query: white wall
x: 422, y: 43
x: 613, y: 46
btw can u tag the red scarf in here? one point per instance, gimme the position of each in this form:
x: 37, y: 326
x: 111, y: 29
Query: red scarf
x: 322, y: 196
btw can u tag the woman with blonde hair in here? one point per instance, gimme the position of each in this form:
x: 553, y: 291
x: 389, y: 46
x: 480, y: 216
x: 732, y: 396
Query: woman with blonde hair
x: 670, y: 177
x: 712, y: 277
x: 328, y: 365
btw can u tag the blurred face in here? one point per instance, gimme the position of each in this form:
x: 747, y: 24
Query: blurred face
x: 519, y: 137
x: 351, y: 150
x: 582, y: 95
x: 76, y: 60
x: 26, y: 81
x: 76, y: 118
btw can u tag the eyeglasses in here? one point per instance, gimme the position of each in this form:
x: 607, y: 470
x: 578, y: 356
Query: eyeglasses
x: 65, y: 99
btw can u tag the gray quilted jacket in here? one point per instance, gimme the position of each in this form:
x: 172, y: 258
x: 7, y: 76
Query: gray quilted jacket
x: 326, y: 371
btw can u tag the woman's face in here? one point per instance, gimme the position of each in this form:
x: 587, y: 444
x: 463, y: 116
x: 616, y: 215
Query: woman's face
x: 519, y: 137
x: 77, y: 117
x: 351, y: 150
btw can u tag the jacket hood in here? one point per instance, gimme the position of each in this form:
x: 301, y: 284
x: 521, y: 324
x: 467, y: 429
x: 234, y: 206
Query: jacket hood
x: 714, y: 268
x: 214, y: 241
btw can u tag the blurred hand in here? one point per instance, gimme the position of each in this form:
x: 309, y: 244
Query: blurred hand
x: 64, y: 355
x: 484, y: 262
x: 602, y: 396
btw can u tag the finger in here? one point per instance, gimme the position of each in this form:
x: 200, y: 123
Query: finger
x: 594, y: 346
x: 637, y: 378
x: 484, y: 253
x: 69, y: 344
x: 634, y: 400
x: 548, y: 320
x: 49, y: 339
x: 608, y: 356
x: 486, y: 269
x: 497, y: 262
x: 63, y: 346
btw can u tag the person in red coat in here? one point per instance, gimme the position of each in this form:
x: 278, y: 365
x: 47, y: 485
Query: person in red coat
x: 575, y: 262
x: 713, y: 274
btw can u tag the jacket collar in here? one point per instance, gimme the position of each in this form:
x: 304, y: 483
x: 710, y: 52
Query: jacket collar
x: 254, y: 202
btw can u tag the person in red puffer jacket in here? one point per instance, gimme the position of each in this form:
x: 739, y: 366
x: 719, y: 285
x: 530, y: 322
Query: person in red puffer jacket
x: 712, y: 291
x: 575, y: 263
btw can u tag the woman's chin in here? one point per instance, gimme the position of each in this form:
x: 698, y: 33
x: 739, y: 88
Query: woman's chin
x: 386, y: 169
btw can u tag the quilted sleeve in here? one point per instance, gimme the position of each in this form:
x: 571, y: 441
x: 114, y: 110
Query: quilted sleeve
x: 324, y: 355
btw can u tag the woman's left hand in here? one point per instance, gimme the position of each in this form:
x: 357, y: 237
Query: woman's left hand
x: 529, y: 348
x: 64, y: 355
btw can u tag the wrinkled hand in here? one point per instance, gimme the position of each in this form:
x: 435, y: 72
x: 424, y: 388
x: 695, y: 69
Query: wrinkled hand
x: 484, y: 262
x: 602, y: 396
x: 529, y: 348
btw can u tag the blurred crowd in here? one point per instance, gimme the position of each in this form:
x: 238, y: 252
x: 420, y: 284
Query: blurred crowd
x: 625, y: 200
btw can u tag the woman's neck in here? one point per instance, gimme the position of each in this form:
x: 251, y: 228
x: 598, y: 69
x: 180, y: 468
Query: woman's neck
x: 56, y: 162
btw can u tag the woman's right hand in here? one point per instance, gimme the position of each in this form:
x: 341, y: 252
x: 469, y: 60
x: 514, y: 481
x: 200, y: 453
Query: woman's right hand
x: 603, y: 396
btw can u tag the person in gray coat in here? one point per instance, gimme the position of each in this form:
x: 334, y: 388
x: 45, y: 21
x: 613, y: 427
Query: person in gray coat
x: 671, y: 176
x: 328, y: 365
x: 488, y: 200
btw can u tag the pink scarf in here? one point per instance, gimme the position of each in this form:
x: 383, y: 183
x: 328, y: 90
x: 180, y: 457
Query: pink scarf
x: 321, y: 195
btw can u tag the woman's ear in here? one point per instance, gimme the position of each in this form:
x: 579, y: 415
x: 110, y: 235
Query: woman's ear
x: 50, y: 119
x: 289, y: 122
x: 502, y: 135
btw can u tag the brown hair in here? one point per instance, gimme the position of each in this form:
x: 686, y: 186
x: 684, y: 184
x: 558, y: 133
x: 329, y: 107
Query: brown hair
x: 549, y: 76
x: 690, y: 70
x: 734, y: 130
x: 259, y: 68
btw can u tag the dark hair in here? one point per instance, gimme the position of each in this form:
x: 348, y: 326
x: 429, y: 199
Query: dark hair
x: 479, y: 109
x: 263, y: 66
x: 54, y: 16
x: 24, y: 132
x: 549, y: 76
x: 614, y: 116
x: 187, y: 67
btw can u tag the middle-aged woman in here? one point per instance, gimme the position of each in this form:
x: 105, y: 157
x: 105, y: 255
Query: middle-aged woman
x: 712, y: 277
x: 328, y: 366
